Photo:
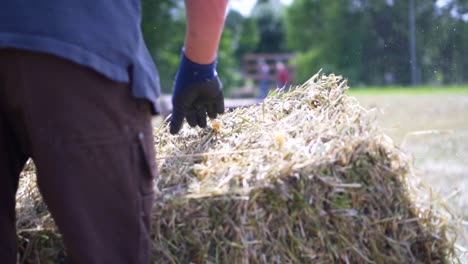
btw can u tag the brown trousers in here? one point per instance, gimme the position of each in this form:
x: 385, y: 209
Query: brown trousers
x: 93, y: 148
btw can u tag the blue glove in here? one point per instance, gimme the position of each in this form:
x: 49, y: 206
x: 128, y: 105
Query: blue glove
x: 197, y: 92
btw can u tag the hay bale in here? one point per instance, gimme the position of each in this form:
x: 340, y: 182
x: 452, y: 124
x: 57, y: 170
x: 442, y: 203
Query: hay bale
x: 305, y: 177
x: 38, y: 237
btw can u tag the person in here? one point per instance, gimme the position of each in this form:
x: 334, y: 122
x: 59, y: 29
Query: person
x: 282, y: 76
x: 264, y: 85
x: 77, y: 92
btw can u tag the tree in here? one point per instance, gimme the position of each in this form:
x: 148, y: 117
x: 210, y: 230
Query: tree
x: 226, y: 61
x: 239, y: 38
x: 444, y: 42
x: 367, y: 41
x: 163, y: 26
x: 268, y: 15
x: 245, y: 35
x: 327, y: 35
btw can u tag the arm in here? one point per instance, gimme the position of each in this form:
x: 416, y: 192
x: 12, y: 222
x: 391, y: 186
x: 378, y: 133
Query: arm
x: 205, y: 22
x: 198, y: 91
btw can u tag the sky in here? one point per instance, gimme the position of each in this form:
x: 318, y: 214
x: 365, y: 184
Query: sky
x: 245, y: 6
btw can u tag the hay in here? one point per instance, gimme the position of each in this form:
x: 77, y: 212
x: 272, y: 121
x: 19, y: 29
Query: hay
x: 38, y: 238
x: 304, y: 177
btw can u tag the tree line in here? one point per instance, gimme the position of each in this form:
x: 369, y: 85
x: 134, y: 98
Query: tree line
x: 370, y: 42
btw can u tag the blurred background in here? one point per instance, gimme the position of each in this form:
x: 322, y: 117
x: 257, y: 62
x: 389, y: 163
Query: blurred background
x: 407, y: 60
x: 370, y: 42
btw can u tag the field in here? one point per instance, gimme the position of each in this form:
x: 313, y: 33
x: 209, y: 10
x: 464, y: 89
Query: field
x: 432, y: 125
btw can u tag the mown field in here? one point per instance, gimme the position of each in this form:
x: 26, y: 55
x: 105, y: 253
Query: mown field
x: 432, y: 125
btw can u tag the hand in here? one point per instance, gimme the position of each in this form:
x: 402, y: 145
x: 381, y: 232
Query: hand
x: 197, y: 93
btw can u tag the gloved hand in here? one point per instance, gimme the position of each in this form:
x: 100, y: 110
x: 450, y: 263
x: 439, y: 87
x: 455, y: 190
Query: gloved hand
x: 197, y: 92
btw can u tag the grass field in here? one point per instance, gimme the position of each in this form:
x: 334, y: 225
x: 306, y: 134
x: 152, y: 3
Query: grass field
x: 432, y: 125
x: 410, y: 90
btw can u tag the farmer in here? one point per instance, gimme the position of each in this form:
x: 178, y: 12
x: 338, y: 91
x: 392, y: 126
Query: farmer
x: 77, y: 91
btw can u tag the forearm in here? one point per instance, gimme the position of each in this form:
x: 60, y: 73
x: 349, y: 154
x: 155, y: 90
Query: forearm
x: 205, y: 22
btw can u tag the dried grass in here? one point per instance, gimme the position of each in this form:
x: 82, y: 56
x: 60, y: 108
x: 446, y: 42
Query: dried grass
x: 304, y: 177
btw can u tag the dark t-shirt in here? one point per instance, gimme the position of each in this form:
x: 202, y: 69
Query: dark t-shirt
x: 104, y: 35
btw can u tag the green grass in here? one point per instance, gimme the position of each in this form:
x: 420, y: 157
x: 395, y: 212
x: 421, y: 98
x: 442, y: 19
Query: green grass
x: 408, y: 90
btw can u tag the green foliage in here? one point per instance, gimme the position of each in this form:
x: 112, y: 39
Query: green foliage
x: 307, y: 62
x: 368, y: 40
x: 244, y: 34
x: 240, y: 37
x: 163, y: 26
x: 226, y: 61
x: 249, y: 38
x: 268, y: 15
x: 444, y: 59
x: 305, y: 25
